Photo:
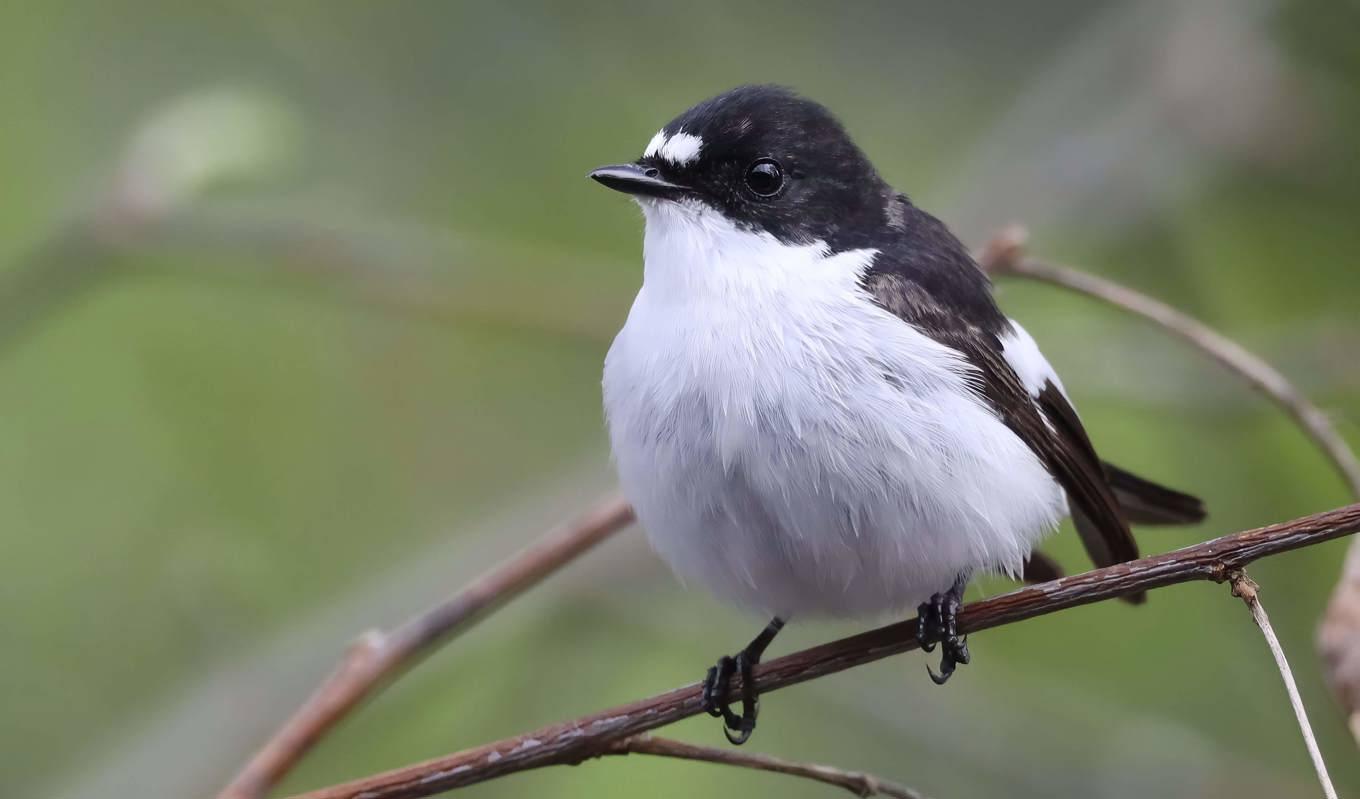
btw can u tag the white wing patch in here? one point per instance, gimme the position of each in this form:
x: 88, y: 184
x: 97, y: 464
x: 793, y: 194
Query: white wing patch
x: 1023, y: 354
x: 680, y: 149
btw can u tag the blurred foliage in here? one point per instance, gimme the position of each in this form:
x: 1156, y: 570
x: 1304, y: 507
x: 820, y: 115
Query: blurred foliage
x: 295, y: 295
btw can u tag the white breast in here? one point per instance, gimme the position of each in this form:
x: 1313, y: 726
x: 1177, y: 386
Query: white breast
x: 795, y: 448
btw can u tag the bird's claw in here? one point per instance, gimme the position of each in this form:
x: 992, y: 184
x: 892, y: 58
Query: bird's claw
x: 937, y: 623
x: 717, y: 685
x: 955, y: 654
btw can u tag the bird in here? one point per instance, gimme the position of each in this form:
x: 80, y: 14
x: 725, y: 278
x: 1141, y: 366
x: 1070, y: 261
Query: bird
x: 815, y: 405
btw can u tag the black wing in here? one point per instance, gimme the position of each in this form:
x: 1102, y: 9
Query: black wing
x: 928, y: 279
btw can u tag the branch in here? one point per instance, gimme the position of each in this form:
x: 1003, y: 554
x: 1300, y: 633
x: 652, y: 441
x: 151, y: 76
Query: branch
x: 855, y: 782
x: 1246, y: 588
x: 579, y: 739
x: 378, y: 656
x: 1004, y: 256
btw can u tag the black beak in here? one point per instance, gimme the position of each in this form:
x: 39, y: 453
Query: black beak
x: 638, y: 180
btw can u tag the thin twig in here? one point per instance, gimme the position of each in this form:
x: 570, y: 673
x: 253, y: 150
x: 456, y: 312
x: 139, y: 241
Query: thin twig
x: 1004, y: 256
x: 582, y: 738
x: 377, y: 656
x: 855, y: 782
x: 1246, y: 588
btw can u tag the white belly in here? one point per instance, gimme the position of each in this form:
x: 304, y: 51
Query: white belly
x: 801, y: 452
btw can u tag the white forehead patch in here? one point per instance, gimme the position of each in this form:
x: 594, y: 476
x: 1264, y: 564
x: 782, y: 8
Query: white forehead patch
x: 655, y: 144
x: 680, y: 149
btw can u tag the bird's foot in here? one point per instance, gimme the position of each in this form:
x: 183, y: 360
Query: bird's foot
x: 717, y: 684
x: 937, y: 623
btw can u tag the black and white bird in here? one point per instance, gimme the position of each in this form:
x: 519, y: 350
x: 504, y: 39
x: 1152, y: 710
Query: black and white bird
x: 816, y: 406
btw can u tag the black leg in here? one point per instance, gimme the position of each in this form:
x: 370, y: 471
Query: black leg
x: 718, y: 683
x: 937, y: 623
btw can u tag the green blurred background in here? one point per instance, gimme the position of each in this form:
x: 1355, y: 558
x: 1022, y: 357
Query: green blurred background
x: 303, y: 308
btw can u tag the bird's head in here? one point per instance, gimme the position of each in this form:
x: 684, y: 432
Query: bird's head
x: 763, y: 158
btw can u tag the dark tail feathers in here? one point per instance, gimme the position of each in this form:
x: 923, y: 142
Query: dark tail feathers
x: 1145, y: 502
x: 1142, y: 502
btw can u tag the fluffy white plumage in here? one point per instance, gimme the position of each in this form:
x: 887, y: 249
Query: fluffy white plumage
x: 797, y: 449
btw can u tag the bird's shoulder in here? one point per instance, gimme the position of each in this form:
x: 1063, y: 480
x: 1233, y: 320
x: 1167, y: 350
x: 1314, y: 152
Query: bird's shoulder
x: 924, y: 275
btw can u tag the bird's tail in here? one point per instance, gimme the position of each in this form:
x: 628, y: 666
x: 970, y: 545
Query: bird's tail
x: 1144, y: 502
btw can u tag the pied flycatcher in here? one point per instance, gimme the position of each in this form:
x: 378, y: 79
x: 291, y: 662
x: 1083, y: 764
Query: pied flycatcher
x: 816, y: 406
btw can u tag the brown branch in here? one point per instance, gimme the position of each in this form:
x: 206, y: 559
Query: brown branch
x: 1004, y: 256
x: 855, y: 782
x: 580, y: 739
x: 378, y: 656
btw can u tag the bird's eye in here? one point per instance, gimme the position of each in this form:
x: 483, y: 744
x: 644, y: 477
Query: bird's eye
x: 764, y: 177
